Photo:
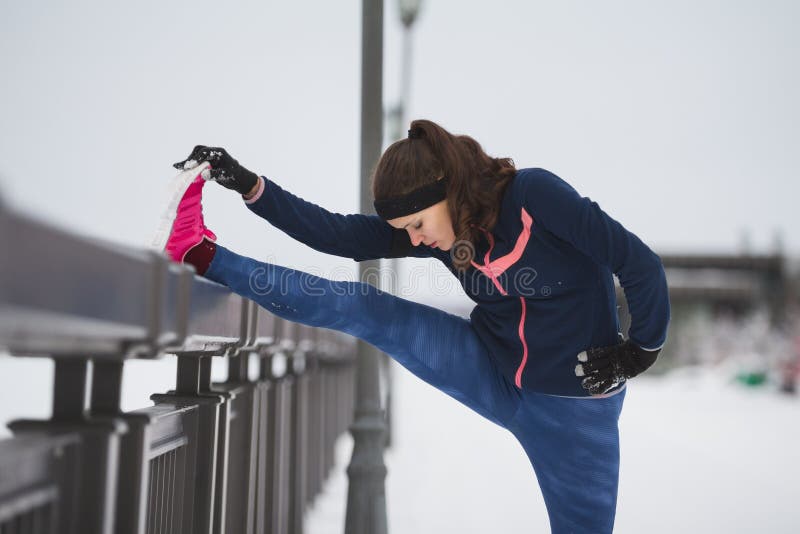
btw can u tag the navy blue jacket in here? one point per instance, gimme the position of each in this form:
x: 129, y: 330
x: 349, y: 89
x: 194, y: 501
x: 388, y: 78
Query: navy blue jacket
x: 541, y: 279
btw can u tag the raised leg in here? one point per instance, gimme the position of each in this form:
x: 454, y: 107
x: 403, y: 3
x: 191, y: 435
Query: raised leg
x: 440, y: 348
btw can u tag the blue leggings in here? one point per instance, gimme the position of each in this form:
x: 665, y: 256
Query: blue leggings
x: 572, y: 443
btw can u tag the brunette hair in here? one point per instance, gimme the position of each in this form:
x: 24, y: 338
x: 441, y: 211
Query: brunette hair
x: 475, y: 181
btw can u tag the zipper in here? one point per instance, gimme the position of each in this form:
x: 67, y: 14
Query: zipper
x: 502, y: 264
x: 518, y: 376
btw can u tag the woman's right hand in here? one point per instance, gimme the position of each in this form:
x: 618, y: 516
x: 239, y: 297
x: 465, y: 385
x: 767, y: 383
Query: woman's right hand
x: 224, y: 169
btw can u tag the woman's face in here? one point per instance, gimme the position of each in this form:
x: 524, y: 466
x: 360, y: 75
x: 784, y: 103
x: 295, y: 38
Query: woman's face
x: 431, y: 226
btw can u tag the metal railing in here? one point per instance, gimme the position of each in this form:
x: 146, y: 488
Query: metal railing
x: 243, y: 456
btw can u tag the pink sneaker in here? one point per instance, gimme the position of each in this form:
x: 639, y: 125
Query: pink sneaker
x: 182, y: 226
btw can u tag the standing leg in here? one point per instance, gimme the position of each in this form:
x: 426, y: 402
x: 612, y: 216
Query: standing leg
x: 440, y: 348
x: 573, y: 445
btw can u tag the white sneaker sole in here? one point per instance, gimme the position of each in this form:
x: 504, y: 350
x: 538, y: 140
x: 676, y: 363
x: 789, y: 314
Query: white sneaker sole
x: 174, y: 193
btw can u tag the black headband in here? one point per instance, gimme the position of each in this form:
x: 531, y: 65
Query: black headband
x: 413, y: 201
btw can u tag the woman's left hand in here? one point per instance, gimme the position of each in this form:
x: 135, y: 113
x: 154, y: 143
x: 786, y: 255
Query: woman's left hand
x: 607, y: 367
x: 225, y: 170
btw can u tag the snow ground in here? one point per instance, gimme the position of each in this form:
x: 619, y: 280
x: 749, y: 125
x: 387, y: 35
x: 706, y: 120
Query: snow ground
x: 699, y: 454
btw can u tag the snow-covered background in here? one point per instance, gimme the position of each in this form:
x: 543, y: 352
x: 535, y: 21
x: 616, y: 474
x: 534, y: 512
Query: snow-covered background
x: 698, y: 455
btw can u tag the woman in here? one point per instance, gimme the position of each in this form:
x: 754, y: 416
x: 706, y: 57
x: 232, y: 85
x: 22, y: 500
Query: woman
x: 541, y: 354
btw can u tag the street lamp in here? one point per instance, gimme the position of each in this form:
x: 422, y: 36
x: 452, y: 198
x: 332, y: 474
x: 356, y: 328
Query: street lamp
x: 409, y: 10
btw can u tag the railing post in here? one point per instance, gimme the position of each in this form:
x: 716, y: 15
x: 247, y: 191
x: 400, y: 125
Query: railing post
x: 299, y: 440
x: 312, y: 373
x: 95, y: 476
x: 244, y: 423
x: 193, y: 389
x: 264, y: 385
x: 70, y: 380
x: 276, y: 487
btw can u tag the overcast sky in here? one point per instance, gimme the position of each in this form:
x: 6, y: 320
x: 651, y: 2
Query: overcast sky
x: 680, y: 118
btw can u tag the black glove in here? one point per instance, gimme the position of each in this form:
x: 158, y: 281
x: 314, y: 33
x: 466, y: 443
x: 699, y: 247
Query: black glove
x: 224, y: 169
x: 607, y: 367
